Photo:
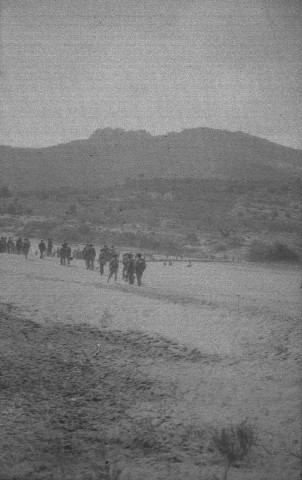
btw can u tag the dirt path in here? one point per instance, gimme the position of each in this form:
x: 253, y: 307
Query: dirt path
x: 210, y: 314
x: 224, y: 358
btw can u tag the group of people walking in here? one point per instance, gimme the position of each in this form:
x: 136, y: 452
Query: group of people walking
x: 20, y: 246
x: 133, y: 266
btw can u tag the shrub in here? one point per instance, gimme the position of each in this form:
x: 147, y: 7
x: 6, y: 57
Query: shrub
x: 7, y: 222
x: 38, y: 228
x: 14, y: 209
x: 266, y: 252
x: 5, y: 192
x: 73, y: 234
x: 234, y: 443
x: 192, y: 238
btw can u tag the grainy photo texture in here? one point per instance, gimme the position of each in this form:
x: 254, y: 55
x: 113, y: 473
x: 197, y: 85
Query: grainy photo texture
x: 150, y: 239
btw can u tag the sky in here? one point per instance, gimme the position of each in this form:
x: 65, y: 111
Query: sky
x: 69, y: 67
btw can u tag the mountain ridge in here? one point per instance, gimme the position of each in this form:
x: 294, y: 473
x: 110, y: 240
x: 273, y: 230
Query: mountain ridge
x: 110, y: 156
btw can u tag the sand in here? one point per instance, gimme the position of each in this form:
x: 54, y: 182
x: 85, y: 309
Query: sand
x: 225, y: 338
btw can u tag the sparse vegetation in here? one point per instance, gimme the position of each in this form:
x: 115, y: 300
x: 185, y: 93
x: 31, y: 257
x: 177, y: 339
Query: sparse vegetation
x: 219, y: 213
x: 234, y: 443
x: 260, y: 251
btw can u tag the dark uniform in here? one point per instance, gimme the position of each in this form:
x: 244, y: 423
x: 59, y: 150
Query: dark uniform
x: 126, y: 260
x: 140, y: 266
x: 3, y: 245
x: 102, y: 260
x: 19, y: 244
x: 64, y: 253
x: 26, y: 247
x: 42, y: 248
x: 131, y: 270
x: 113, y: 268
x: 89, y: 255
x: 85, y: 254
x: 68, y: 254
x: 111, y: 252
x: 49, y: 248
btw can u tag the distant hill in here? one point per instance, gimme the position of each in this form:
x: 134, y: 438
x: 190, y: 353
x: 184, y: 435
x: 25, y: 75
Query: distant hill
x: 111, y: 156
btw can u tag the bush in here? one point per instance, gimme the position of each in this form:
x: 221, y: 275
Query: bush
x: 271, y: 252
x: 13, y: 209
x: 234, y: 443
x: 73, y: 234
x: 192, y: 238
x: 5, y: 192
x: 7, y: 222
x: 38, y: 228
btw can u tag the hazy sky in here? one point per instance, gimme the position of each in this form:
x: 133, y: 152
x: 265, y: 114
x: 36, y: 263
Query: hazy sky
x: 69, y: 67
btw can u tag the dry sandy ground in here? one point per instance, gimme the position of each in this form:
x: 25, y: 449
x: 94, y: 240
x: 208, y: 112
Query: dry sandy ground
x: 219, y: 343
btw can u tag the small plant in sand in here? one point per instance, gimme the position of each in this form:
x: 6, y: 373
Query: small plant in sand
x: 234, y: 443
x: 106, y: 318
x: 109, y: 467
x: 112, y: 471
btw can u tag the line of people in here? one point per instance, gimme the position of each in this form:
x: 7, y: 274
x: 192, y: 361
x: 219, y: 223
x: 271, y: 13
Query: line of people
x: 20, y: 246
x: 133, y: 266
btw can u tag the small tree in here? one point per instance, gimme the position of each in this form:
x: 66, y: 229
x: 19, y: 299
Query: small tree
x: 234, y: 443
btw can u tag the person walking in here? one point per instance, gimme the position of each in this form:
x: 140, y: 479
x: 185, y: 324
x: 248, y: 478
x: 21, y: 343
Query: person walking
x: 102, y: 260
x: 49, y: 248
x: 26, y: 247
x: 113, y: 268
x: 2, y: 245
x: 125, y: 261
x: 68, y: 253
x: 85, y: 254
x: 131, y: 269
x: 19, y: 244
x: 42, y: 248
x: 91, y: 254
x: 140, y: 266
x: 10, y: 245
x: 63, y: 253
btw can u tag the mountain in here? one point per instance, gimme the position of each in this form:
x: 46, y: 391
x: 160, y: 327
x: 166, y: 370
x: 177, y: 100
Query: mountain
x: 112, y: 156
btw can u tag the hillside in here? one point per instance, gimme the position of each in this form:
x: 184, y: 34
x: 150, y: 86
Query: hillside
x: 112, y: 156
x: 207, y: 216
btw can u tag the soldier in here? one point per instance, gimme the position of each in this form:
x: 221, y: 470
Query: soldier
x: 113, y: 268
x: 26, y: 247
x: 106, y: 251
x: 19, y: 244
x: 85, y: 254
x: 112, y: 252
x: 10, y: 245
x: 3, y: 245
x: 49, y: 248
x: 42, y: 248
x: 63, y: 253
x: 68, y: 253
x: 140, y: 266
x: 91, y: 256
x: 126, y: 259
x: 131, y: 269
x: 102, y: 260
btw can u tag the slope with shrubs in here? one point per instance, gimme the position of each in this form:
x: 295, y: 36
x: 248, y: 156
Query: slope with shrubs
x: 165, y: 215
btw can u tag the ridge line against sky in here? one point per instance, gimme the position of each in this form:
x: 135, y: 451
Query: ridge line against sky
x: 69, y: 67
x: 148, y: 133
